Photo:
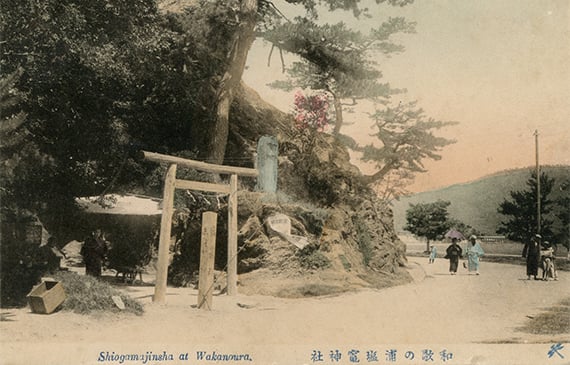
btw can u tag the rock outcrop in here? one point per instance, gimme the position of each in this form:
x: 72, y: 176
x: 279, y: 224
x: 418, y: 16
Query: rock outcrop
x: 347, y: 232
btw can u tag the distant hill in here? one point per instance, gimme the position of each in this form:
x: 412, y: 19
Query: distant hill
x: 476, y: 203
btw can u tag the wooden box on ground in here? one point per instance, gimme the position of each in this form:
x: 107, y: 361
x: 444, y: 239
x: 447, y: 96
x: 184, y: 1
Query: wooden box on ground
x: 46, y: 297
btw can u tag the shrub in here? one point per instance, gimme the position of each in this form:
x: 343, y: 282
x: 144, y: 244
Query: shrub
x: 310, y: 258
x: 313, y: 218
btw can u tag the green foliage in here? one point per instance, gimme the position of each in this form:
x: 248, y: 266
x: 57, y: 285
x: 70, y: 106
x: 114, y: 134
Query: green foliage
x: 355, y: 6
x: 521, y: 211
x: 428, y: 220
x: 407, y: 139
x: 78, y: 65
x: 312, y: 259
x: 87, y: 295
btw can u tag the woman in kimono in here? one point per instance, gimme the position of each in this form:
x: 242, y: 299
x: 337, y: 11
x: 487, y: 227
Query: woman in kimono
x: 473, y: 251
x: 453, y: 253
x: 531, y: 252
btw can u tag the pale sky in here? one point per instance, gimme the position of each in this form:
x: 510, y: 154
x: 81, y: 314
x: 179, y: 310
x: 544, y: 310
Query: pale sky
x: 499, y: 68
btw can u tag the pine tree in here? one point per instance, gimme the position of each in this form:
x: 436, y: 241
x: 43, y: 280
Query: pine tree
x: 521, y: 211
x: 407, y: 139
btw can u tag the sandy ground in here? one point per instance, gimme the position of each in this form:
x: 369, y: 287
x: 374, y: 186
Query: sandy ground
x: 475, y: 316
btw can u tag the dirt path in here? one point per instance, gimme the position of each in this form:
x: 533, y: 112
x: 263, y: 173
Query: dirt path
x: 436, y: 309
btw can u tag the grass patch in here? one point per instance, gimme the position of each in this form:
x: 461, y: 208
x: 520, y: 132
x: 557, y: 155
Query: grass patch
x: 380, y: 280
x: 311, y: 290
x: 555, y: 321
x: 317, y: 290
x: 85, y: 295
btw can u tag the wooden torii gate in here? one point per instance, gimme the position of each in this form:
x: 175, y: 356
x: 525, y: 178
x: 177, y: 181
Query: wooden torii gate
x: 170, y: 184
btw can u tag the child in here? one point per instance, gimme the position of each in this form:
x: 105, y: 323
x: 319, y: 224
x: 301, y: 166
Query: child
x: 547, y: 261
x: 432, y: 254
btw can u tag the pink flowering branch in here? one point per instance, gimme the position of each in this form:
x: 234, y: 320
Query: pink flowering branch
x: 311, y: 111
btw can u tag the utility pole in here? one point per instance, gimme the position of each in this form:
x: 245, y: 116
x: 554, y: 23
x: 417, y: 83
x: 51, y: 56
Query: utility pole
x: 537, y: 183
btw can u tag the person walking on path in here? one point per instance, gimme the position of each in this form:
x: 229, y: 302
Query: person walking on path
x: 432, y: 254
x: 473, y: 253
x: 531, y: 252
x: 453, y: 253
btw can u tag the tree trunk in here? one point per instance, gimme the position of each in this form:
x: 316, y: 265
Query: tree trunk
x: 237, y: 56
x: 369, y: 179
x: 338, y: 115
